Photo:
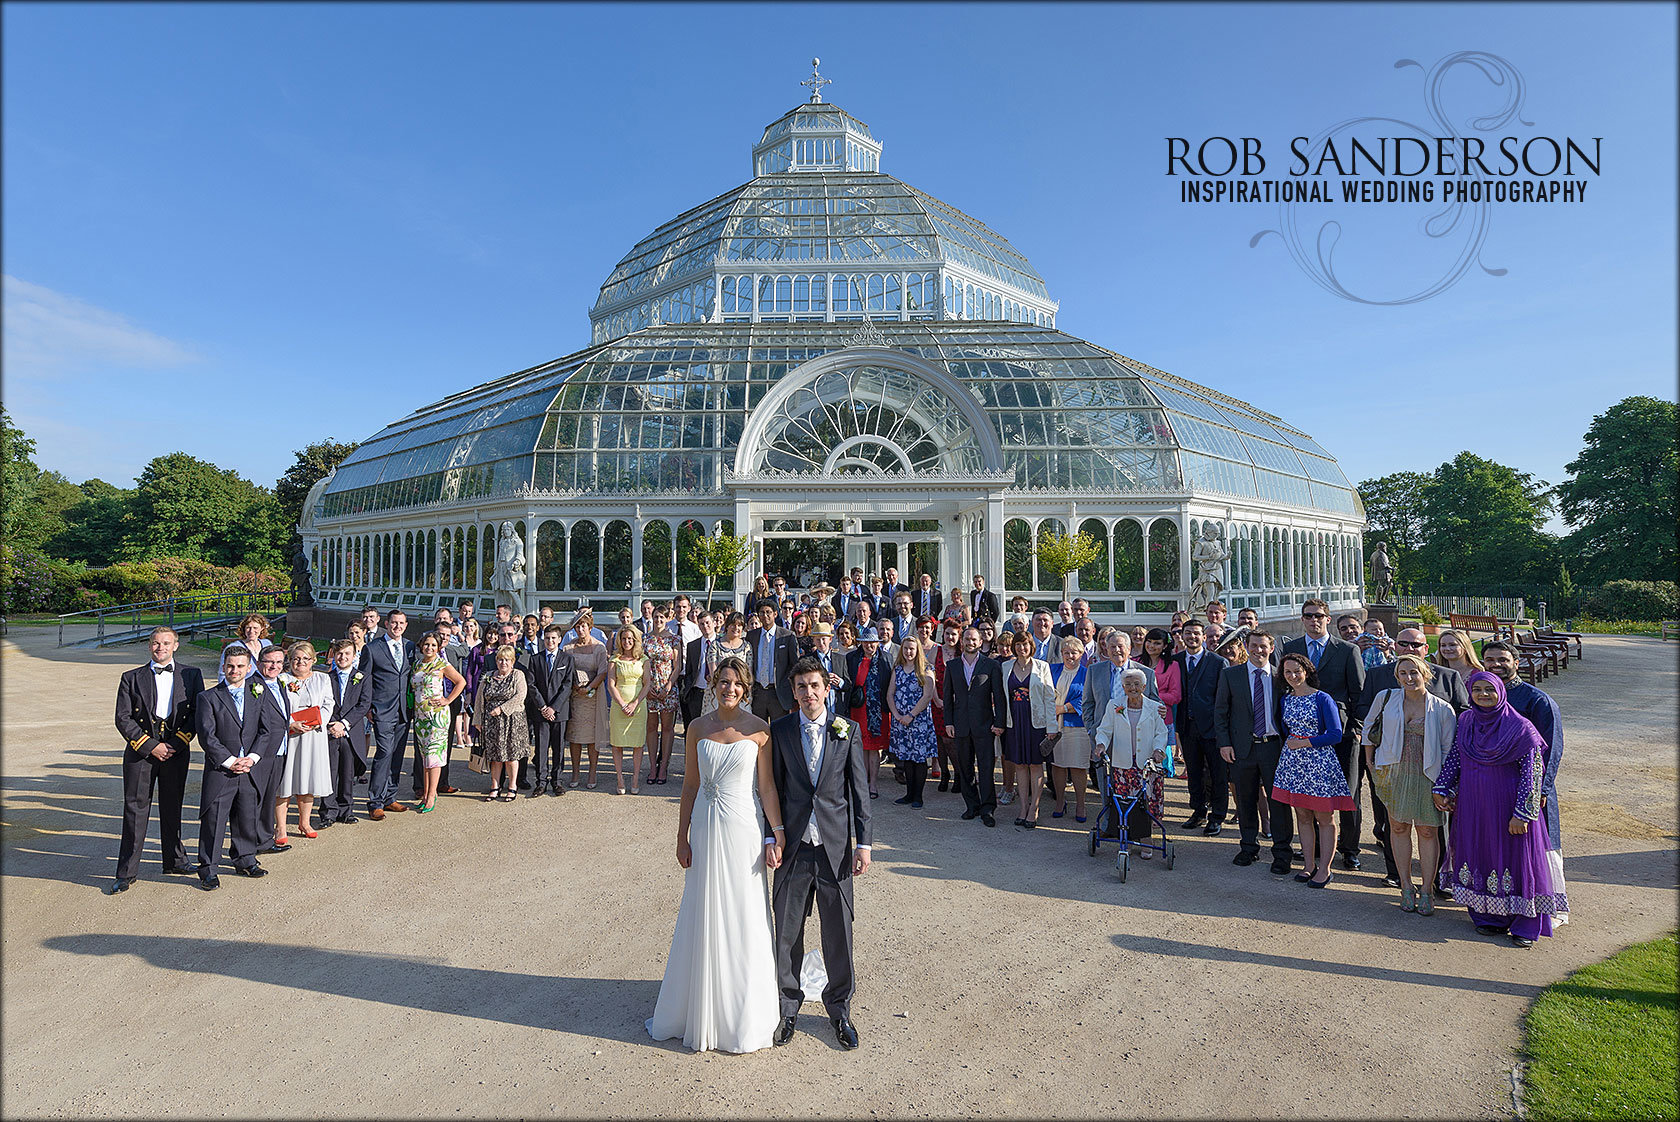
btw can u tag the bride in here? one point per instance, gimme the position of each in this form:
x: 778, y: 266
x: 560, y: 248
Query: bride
x: 720, y: 988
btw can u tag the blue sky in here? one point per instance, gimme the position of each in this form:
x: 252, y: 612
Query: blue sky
x: 236, y: 229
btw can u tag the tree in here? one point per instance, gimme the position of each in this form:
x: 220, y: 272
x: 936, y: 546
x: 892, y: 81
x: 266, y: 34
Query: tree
x: 310, y: 466
x: 719, y: 555
x: 187, y: 507
x: 1481, y: 524
x: 95, y: 527
x: 1620, y: 494
x: 44, y: 517
x: 17, y: 484
x: 1061, y: 554
x: 1394, y: 512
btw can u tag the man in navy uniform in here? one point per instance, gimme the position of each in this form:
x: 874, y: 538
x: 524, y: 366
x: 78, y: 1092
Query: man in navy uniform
x: 157, y: 707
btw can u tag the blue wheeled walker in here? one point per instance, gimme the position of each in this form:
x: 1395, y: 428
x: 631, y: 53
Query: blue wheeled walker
x: 1118, y: 809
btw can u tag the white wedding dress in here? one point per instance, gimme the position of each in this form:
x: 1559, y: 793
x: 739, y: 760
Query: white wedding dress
x: 720, y: 987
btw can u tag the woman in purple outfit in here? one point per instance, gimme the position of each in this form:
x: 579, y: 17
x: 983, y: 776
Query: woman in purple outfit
x: 1490, y: 780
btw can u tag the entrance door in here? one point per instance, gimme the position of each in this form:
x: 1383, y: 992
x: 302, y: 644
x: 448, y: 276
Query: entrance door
x: 910, y: 555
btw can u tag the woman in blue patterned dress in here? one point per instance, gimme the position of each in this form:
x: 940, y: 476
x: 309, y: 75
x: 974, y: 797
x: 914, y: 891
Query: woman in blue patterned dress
x: 914, y: 741
x: 1309, y: 776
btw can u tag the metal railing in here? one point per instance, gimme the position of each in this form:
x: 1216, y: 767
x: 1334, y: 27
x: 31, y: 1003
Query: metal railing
x: 123, y: 622
x: 1505, y: 607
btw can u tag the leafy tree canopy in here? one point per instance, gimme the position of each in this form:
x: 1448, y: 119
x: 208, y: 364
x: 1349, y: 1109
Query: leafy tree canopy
x: 1620, y: 495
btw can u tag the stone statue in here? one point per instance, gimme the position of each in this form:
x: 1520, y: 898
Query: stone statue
x: 1382, y: 575
x: 510, y: 566
x: 1209, y: 554
x: 303, y: 591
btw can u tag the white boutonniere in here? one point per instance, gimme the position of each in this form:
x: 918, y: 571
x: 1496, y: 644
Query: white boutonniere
x: 356, y: 677
x: 841, y: 728
x: 256, y: 691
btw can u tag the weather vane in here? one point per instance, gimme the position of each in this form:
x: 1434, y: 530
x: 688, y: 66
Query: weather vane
x: 816, y: 82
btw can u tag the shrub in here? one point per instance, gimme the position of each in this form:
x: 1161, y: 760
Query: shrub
x: 1430, y: 614
x: 1632, y: 599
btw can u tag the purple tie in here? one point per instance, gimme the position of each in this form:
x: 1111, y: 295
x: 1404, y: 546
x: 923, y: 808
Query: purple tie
x: 1259, y: 692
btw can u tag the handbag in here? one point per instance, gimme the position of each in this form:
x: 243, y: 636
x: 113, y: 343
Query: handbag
x: 1047, y: 746
x: 1374, y: 732
x: 475, y: 762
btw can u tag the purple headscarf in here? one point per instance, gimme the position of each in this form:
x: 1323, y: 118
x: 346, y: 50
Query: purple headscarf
x: 1497, y: 736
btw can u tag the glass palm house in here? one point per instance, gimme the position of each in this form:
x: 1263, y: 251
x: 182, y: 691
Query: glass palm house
x: 853, y: 373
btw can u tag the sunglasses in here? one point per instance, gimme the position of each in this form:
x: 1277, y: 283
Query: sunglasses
x: 1404, y: 643
x: 1315, y: 615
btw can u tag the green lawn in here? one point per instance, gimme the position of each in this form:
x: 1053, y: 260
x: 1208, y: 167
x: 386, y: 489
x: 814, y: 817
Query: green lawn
x: 1602, y: 1042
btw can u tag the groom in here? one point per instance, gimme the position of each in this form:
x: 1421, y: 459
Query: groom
x: 818, y: 766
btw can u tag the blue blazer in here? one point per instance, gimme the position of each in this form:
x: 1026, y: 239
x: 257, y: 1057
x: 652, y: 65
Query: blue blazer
x: 222, y: 735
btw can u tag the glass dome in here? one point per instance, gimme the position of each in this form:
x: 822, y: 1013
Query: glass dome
x: 820, y: 234
x: 678, y: 408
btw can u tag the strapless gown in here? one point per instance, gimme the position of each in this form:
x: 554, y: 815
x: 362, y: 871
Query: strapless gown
x: 719, y: 991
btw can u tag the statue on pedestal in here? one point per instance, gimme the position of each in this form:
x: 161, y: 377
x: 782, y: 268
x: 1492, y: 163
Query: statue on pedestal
x: 1209, y: 555
x: 509, y: 577
x: 303, y: 590
x: 1382, y: 575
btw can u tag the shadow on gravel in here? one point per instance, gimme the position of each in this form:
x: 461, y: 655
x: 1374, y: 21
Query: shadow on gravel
x: 606, y: 1008
x: 1651, y: 868
x: 1173, y: 948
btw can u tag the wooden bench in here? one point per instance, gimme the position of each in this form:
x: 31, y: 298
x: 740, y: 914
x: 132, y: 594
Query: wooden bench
x: 1670, y: 629
x: 1547, y: 633
x: 1468, y: 623
x: 1549, y: 652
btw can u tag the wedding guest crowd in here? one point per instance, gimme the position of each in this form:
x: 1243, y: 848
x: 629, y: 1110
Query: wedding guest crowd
x: 1457, y: 756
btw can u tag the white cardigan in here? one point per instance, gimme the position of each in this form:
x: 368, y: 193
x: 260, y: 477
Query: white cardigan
x: 1116, y: 730
x: 1041, y: 690
x: 1440, y: 726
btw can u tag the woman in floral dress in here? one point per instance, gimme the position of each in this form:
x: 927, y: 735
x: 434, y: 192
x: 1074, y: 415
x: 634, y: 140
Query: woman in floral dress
x: 436, y: 686
x: 913, y: 740
x: 664, y: 653
x: 1309, y: 775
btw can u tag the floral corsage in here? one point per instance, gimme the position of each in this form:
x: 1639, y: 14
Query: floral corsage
x: 841, y: 728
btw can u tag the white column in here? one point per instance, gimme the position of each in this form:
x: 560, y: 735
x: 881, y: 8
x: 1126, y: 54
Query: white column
x: 530, y: 562
x: 994, y: 547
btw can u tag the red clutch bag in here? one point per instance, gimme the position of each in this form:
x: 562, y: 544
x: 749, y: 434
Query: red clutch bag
x: 309, y: 718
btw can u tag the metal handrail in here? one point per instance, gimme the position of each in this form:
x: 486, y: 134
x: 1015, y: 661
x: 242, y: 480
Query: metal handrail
x: 178, y: 609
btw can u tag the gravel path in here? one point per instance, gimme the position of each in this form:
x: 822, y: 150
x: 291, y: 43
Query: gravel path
x: 499, y: 960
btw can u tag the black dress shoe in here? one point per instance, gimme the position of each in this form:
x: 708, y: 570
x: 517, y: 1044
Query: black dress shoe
x: 1280, y: 866
x: 1350, y: 860
x: 349, y: 819
x: 324, y: 823
x: 970, y: 815
x: 1245, y: 859
x: 1392, y: 879
x: 122, y: 885
x: 1520, y: 941
x: 1212, y: 829
x: 1197, y: 818
x: 1489, y: 930
x: 209, y: 884
x: 180, y: 871
x: 944, y: 784
x: 845, y: 1033
x: 784, y: 1031
x: 275, y: 848
x: 905, y: 801
x: 252, y: 871
x: 987, y: 820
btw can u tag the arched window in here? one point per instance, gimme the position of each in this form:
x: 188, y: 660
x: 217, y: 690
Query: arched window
x: 1163, y: 555
x: 1049, y: 528
x: 617, y: 568
x: 586, y: 556
x: 472, y: 557
x: 1017, y: 554
x: 1094, y: 577
x: 656, y: 556
x: 487, y: 557
x: 1128, y: 556
x: 551, y: 556
x: 460, y: 560
x: 689, y: 576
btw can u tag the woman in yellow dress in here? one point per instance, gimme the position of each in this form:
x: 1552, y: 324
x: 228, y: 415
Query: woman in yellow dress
x: 627, y: 684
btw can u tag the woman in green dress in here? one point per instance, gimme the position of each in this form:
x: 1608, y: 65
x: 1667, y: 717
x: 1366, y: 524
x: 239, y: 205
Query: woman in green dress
x: 627, y: 683
x: 436, y: 686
